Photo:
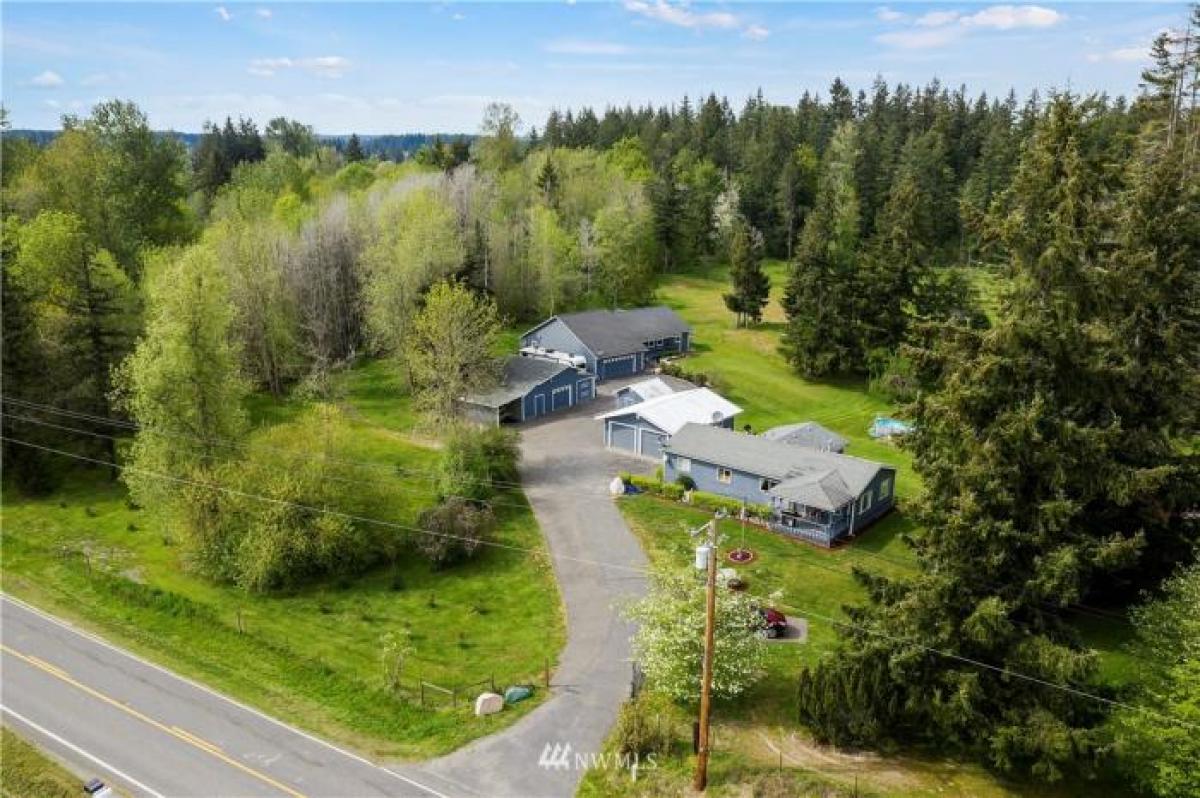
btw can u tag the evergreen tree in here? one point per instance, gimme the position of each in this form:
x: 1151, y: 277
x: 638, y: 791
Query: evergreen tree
x: 821, y: 301
x: 1032, y: 499
x: 354, y: 150
x: 751, y: 286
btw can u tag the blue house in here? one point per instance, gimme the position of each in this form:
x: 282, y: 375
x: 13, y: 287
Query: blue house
x: 530, y: 387
x: 611, y: 343
x: 645, y: 427
x: 816, y: 495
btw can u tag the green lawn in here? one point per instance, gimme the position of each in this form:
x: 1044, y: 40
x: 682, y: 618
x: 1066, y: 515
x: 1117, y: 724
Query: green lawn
x: 311, y: 656
x: 25, y: 772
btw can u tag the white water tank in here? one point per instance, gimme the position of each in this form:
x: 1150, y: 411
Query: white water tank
x: 703, y: 552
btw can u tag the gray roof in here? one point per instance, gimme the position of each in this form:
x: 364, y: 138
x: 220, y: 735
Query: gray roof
x: 521, y: 375
x: 810, y: 434
x: 818, y: 479
x: 660, y: 385
x: 619, y: 332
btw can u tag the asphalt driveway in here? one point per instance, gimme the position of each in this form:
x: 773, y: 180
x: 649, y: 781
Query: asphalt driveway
x: 565, y: 470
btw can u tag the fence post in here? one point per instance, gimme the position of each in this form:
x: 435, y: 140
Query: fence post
x: 421, y: 682
x: 493, y: 681
x: 241, y: 629
x: 546, y: 672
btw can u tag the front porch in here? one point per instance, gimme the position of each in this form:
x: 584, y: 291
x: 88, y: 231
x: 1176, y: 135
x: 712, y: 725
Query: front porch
x: 816, y: 526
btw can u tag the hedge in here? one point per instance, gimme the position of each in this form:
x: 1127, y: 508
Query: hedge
x: 697, y: 498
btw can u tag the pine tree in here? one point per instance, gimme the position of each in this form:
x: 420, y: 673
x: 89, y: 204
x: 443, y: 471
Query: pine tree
x: 354, y: 150
x: 751, y: 286
x: 821, y: 301
x: 1036, y: 491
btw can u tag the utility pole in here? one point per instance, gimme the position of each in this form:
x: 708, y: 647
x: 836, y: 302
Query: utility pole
x: 701, y: 779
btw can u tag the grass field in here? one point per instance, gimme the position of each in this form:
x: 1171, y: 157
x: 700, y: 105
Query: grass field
x: 311, y: 656
x: 758, y: 732
x: 25, y: 772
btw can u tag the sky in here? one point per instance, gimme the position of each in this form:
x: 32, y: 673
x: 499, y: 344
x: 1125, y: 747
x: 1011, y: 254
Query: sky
x: 433, y: 67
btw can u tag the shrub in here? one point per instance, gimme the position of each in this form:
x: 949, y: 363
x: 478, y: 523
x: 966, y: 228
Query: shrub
x: 685, y: 481
x: 476, y: 463
x: 644, y: 726
x: 455, y: 529
x: 655, y: 486
x: 715, y: 502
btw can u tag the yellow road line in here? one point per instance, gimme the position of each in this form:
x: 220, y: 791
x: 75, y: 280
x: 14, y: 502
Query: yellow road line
x: 174, y: 731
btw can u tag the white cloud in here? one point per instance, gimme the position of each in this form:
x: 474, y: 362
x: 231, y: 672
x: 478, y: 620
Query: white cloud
x: 885, y: 14
x: 223, y: 13
x: 95, y: 79
x: 1010, y: 17
x: 1121, y: 55
x: 326, y: 66
x: 680, y: 14
x: 756, y: 32
x: 47, y: 80
x: 586, y: 47
x: 264, y: 13
x: 935, y: 19
x: 939, y: 28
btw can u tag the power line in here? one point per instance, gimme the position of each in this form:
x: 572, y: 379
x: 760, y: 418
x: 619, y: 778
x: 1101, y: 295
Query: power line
x: 225, y: 442
x: 634, y: 569
x: 298, y: 457
x: 311, y: 508
x: 1080, y: 609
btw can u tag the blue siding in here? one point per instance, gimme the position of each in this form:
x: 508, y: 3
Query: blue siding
x: 555, y: 335
x: 558, y: 393
x: 625, y: 432
x: 620, y: 366
x: 668, y: 346
x: 748, y: 487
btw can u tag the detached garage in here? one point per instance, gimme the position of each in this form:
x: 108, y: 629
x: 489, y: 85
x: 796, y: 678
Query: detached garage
x: 531, y: 387
x: 643, y: 429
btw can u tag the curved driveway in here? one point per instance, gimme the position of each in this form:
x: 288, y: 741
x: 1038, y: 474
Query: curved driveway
x: 565, y: 471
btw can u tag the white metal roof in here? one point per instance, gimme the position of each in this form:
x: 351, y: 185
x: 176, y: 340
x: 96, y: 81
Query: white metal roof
x: 671, y: 412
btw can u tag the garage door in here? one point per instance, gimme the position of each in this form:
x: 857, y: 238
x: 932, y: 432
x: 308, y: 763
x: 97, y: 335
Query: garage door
x: 619, y: 366
x: 583, y: 390
x: 622, y: 436
x: 652, y: 444
x: 560, y: 398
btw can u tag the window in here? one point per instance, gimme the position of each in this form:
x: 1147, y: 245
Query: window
x: 885, y: 489
x: 767, y: 484
x: 864, y: 502
x: 683, y: 465
x: 724, y: 476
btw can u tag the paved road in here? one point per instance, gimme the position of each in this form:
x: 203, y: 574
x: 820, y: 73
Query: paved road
x: 139, y: 726
x: 566, y: 470
x: 145, y: 729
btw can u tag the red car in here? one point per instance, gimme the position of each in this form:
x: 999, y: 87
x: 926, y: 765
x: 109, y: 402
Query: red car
x: 774, y: 622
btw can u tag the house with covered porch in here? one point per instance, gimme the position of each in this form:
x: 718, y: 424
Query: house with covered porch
x: 817, y: 495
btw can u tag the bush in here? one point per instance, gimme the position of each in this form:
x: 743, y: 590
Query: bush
x: 715, y: 502
x: 263, y: 546
x: 455, y: 529
x: 655, y: 486
x: 686, y: 482
x: 477, y: 463
x: 644, y: 726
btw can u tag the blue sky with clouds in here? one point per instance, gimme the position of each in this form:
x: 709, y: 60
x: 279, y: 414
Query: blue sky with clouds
x: 401, y: 67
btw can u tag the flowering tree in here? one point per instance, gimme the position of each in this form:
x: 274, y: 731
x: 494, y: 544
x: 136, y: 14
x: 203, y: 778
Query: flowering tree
x: 669, y: 644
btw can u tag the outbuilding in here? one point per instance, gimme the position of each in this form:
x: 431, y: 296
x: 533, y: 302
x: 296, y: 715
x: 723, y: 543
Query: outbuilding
x: 651, y: 388
x: 611, y: 343
x: 529, y: 388
x: 644, y: 428
x: 809, y: 434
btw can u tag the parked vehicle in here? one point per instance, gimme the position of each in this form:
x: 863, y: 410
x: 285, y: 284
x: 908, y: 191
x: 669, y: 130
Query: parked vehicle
x: 98, y: 789
x: 774, y: 622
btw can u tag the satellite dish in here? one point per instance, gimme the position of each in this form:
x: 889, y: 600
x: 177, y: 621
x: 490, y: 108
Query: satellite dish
x: 718, y: 416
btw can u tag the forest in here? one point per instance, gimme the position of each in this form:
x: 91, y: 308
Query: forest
x: 168, y: 288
